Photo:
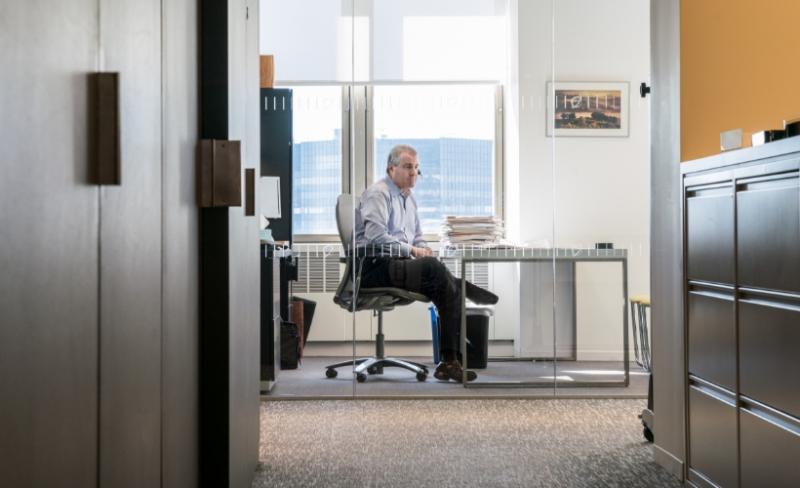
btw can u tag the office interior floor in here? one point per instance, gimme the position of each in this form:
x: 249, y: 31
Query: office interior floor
x: 308, y: 381
x: 456, y: 443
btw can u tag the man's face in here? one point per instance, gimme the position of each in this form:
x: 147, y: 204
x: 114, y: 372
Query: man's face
x: 405, y: 174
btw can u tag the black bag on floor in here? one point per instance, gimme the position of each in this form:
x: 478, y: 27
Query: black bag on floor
x: 290, y: 345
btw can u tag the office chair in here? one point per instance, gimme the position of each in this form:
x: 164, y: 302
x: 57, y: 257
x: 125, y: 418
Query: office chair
x: 350, y: 296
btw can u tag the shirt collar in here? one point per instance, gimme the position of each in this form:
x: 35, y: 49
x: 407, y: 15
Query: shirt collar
x: 393, y: 188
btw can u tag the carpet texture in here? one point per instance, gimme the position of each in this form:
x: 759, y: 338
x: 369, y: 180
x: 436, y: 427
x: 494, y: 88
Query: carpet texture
x: 456, y: 443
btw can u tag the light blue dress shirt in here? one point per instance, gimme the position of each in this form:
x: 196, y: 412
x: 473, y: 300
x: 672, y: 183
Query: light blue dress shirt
x: 387, y: 218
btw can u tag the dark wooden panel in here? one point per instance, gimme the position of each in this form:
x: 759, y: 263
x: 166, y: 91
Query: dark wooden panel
x: 769, y: 453
x: 104, y: 144
x: 712, y: 336
x: 250, y: 192
x: 214, y: 280
x: 276, y: 152
x: 130, y: 255
x: 48, y: 247
x: 214, y: 69
x: 769, y: 364
x: 768, y: 220
x: 710, y: 236
x: 214, y: 348
x: 713, y: 438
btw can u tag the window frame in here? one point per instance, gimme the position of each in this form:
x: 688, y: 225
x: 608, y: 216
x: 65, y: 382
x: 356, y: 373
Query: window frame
x: 358, y: 132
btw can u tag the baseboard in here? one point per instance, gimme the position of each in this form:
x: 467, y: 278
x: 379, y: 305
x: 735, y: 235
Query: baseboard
x: 667, y: 461
x: 603, y: 355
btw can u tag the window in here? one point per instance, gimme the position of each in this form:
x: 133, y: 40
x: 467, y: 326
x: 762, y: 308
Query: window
x: 422, y: 73
x: 452, y: 127
x: 316, y: 158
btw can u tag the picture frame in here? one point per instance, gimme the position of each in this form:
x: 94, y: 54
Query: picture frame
x: 587, y: 109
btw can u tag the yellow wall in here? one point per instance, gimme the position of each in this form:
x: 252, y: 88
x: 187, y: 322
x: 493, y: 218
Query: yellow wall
x: 740, y: 68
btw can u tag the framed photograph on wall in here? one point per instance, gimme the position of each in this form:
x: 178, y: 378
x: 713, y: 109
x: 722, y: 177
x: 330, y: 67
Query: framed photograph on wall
x: 587, y: 109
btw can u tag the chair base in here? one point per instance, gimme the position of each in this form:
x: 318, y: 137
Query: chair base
x: 375, y: 365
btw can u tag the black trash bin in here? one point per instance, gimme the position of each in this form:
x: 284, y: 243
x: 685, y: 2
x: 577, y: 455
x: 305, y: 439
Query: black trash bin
x: 478, y: 337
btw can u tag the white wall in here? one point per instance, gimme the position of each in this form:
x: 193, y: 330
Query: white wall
x: 578, y: 191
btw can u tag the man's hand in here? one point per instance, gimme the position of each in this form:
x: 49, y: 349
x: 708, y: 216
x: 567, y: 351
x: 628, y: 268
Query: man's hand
x: 419, y: 252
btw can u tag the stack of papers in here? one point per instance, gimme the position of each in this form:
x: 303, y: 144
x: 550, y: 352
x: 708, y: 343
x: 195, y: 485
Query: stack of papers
x: 472, y: 231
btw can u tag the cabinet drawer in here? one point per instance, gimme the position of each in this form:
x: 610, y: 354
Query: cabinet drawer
x: 769, y: 364
x: 770, y: 450
x: 768, y: 228
x: 712, y: 336
x: 712, y: 435
x: 710, y: 235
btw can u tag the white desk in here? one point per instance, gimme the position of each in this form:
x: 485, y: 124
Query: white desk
x: 477, y: 254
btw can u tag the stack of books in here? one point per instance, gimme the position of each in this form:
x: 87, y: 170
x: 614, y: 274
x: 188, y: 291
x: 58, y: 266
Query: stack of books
x: 472, y: 231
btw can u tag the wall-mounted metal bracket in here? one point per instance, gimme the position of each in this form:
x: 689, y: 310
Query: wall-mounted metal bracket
x: 219, y: 173
x: 104, y: 129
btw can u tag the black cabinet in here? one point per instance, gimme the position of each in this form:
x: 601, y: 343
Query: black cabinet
x: 276, y: 152
x: 742, y: 316
x: 270, y: 317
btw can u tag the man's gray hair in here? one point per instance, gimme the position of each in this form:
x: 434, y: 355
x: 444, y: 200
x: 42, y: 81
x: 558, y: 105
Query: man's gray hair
x: 396, y: 152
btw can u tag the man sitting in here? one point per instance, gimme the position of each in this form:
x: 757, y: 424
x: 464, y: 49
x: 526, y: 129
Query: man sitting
x: 386, y: 218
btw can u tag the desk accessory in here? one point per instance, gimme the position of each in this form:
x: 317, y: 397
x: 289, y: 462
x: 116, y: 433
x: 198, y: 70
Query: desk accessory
x: 730, y: 139
x: 765, y: 136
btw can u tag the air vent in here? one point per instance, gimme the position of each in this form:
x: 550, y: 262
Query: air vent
x: 477, y: 273
x: 319, y: 269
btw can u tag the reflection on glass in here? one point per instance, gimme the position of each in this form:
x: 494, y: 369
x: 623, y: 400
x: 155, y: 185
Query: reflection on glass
x: 420, y: 40
x: 452, y: 127
x: 316, y: 158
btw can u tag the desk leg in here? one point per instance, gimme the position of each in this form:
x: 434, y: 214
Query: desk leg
x: 464, y: 322
x: 625, y: 355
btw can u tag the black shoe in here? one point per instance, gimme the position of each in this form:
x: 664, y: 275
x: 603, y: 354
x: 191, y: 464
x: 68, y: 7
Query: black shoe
x: 452, y: 370
x: 479, y: 295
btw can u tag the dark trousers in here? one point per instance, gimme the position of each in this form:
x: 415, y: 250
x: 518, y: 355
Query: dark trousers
x: 429, y: 277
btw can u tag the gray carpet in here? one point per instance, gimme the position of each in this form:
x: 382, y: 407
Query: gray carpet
x: 309, y: 381
x: 449, y: 443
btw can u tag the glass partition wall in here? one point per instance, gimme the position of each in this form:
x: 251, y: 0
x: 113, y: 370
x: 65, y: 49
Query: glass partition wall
x: 524, y: 118
x: 598, y: 129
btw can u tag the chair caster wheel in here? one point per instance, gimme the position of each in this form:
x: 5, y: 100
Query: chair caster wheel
x: 372, y: 370
x: 330, y: 373
x: 422, y: 376
x: 648, y: 434
x: 361, y: 377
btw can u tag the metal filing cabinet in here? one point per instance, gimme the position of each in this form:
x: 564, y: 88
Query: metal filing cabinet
x: 742, y: 316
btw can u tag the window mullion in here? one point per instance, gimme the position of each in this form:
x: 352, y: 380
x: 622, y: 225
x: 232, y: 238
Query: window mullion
x: 347, y: 107
x: 359, y: 128
x: 369, y: 131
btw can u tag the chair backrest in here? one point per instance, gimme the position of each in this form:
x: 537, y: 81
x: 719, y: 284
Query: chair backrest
x: 382, y: 299
x: 345, y: 204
